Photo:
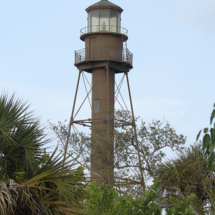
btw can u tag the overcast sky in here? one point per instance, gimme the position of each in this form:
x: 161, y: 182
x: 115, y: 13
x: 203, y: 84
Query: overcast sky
x: 173, y: 42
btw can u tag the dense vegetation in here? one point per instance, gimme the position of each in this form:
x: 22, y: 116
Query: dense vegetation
x: 33, y: 181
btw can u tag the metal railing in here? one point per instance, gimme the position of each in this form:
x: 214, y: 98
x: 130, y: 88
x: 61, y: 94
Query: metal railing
x: 103, y: 29
x: 90, y: 54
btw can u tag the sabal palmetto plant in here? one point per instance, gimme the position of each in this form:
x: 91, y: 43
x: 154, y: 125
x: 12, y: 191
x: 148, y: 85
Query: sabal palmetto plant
x: 18, y: 199
x: 55, y: 189
x: 188, y: 174
x: 21, y: 138
x: 32, y: 182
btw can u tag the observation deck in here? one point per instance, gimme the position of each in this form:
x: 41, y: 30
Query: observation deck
x: 121, y: 57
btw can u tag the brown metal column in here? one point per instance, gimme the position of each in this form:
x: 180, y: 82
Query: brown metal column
x: 71, y: 119
x: 135, y: 133
x: 102, y: 126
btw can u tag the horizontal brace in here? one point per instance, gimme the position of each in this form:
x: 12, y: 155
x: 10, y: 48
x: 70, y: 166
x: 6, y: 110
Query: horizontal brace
x: 83, y: 120
x: 89, y: 120
x: 83, y: 124
x: 127, y: 124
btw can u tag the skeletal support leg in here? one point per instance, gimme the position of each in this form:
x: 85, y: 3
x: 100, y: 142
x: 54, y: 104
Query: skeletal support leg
x: 135, y: 132
x: 71, y: 119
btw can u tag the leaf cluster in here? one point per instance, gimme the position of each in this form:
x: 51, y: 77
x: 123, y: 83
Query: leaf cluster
x: 31, y: 181
x: 209, y: 139
x: 187, y: 174
x: 105, y: 200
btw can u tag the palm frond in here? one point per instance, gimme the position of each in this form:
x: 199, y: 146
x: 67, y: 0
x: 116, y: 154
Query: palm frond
x: 18, y: 199
x: 38, y: 185
x: 21, y: 138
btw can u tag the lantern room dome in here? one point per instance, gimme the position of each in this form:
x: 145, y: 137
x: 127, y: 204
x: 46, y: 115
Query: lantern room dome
x: 104, y: 4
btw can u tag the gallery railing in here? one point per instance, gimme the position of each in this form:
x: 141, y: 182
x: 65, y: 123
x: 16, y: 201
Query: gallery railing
x: 90, y: 54
x: 103, y: 29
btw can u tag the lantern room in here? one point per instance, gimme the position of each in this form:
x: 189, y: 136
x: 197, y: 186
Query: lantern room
x: 104, y: 16
x: 104, y: 21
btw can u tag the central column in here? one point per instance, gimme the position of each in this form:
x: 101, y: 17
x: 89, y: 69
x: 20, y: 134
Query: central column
x: 102, y: 147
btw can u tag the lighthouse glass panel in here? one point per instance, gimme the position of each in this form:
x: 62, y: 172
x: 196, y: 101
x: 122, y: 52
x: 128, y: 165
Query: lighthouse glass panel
x: 95, y: 21
x: 96, y: 106
x: 113, y: 21
x: 104, y: 20
x: 119, y: 23
x: 89, y: 22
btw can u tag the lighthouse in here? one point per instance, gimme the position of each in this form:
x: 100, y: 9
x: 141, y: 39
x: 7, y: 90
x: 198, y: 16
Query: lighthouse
x: 105, y: 55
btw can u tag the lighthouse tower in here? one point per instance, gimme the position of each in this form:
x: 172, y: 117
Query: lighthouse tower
x: 105, y: 55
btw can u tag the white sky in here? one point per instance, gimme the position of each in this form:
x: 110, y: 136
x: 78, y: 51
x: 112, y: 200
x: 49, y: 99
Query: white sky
x: 173, y: 42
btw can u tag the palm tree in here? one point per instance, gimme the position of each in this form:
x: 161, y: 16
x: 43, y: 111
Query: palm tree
x: 189, y: 174
x: 31, y: 181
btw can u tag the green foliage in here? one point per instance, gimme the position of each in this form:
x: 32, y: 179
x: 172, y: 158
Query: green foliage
x: 21, y: 138
x: 32, y: 181
x: 149, y: 204
x: 104, y: 200
x: 180, y: 207
x: 188, y: 174
x: 208, y: 140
